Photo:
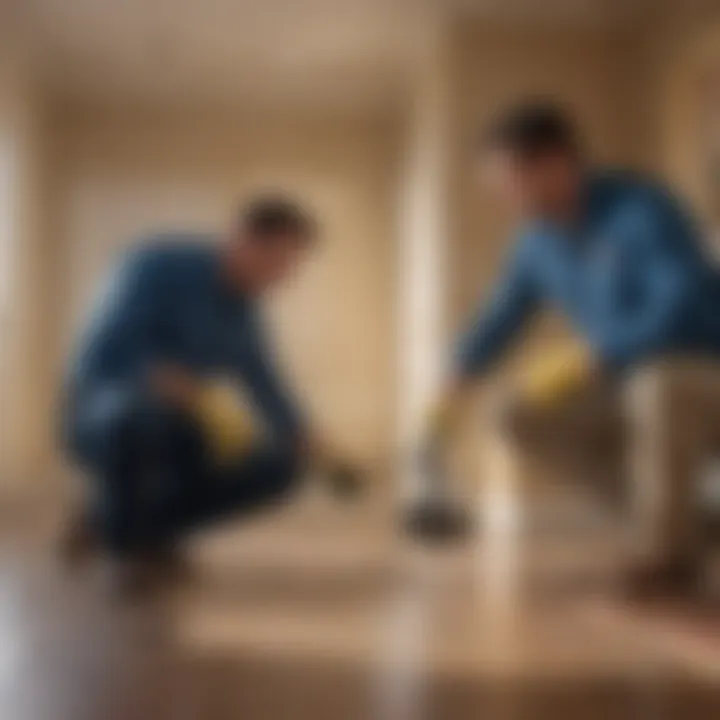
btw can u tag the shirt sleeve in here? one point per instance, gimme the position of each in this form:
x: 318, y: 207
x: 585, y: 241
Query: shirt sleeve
x: 119, y: 340
x: 498, y: 320
x: 663, y: 276
x: 268, y: 390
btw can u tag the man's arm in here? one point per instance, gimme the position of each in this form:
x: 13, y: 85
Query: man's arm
x: 268, y: 390
x: 499, y: 319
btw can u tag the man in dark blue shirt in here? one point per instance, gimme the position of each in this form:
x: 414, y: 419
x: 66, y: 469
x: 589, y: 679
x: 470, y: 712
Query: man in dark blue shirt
x: 182, y: 309
x: 622, y: 261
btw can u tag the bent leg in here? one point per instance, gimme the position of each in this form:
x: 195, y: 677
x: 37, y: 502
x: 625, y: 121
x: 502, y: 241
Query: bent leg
x: 265, y: 477
x: 141, y: 456
x: 674, y: 411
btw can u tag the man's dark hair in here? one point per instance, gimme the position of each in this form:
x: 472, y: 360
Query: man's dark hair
x: 531, y: 130
x: 269, y: 217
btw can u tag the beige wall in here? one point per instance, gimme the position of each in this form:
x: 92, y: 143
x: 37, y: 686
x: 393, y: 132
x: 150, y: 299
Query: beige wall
x: 422, y: 242
x: 24, y: 268
x: 122, y: 175
x: 679, y: 47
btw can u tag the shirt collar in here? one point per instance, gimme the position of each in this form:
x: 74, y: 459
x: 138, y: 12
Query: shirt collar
x: 594, y: 196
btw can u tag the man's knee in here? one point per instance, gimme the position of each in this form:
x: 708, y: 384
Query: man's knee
x: 667, y: 389
x: 287, y: 468
x: 266, y: 476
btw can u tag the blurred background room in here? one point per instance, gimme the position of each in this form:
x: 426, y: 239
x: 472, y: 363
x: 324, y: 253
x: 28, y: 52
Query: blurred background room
x: 119, y: 120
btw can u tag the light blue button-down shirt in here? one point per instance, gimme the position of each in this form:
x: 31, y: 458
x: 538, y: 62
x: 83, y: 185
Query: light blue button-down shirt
x: 631, y: 279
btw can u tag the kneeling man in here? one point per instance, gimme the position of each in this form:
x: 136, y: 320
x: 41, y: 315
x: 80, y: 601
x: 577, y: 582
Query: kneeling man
x: 182, y: 311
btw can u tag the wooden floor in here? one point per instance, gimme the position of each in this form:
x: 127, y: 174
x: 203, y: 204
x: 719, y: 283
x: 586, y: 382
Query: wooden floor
x: 326, y: 614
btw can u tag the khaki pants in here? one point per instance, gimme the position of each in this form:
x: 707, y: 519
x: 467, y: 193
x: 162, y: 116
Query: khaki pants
x: 647, y: 441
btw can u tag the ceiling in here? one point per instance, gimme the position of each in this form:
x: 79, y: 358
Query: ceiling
x: 350, y: 52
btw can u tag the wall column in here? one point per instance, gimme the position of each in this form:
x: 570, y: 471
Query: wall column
x: 25, y: 270
x: 423, y: 242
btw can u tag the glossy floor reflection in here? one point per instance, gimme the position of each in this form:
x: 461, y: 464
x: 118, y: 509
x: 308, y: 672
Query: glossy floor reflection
x: 323, y: 613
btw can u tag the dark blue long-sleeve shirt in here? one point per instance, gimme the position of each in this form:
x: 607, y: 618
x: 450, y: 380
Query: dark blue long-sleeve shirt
x: 631, y: 278
x: 169, y: 303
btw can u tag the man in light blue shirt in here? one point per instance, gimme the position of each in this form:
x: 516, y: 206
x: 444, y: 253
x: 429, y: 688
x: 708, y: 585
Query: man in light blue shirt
x: 615, y: 253
x: 621, y: 259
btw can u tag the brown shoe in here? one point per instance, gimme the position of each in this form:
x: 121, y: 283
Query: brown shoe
x: 662, y: 582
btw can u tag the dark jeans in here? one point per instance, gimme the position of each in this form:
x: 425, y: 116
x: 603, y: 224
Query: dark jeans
x: 151, y: 479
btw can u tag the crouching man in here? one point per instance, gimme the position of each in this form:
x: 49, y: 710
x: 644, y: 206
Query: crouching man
x: 620, y: 258
x: 181, y: 311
